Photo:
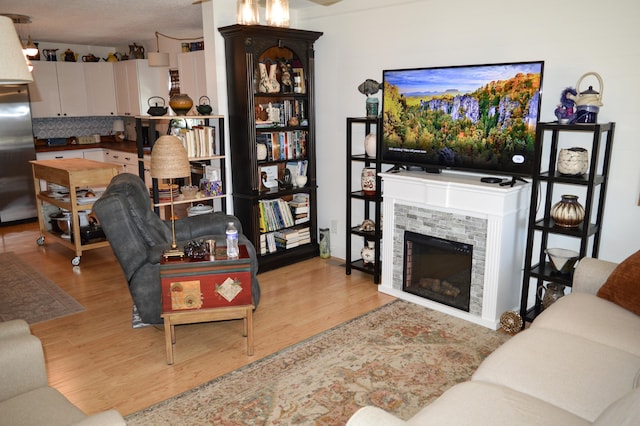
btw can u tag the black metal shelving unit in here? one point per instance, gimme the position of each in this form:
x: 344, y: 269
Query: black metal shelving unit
x: 546, y: 186
x: 372, y: 203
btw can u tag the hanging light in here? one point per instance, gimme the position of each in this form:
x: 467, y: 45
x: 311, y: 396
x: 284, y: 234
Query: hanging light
x: 30, y: 49
x: 247, y: 12
x: 14, y: 68
x: 278, y: 13
x: 158, y: 59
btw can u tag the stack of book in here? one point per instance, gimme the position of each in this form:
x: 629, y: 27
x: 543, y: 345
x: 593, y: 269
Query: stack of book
x: 300, y: 208
x: 290, y: 238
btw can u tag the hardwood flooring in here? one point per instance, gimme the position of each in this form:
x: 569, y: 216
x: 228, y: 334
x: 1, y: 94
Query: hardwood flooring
x: 98, y: 361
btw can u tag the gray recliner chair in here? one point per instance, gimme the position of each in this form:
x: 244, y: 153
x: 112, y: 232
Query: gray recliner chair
x: 138, y: 237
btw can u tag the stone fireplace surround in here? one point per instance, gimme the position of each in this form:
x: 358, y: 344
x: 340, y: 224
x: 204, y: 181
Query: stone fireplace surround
x: 459, y: 207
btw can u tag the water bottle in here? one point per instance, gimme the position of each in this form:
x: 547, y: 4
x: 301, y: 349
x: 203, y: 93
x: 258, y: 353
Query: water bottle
x: 232, y: 240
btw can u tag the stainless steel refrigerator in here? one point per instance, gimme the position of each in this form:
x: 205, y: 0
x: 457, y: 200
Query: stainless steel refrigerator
x: 17, y: 195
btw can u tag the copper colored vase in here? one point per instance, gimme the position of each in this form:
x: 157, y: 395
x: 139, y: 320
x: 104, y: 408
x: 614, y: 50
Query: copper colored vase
x: 181, y: 103
x: 568, y: 212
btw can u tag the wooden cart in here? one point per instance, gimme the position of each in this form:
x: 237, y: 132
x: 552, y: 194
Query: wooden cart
x: 72, y: 173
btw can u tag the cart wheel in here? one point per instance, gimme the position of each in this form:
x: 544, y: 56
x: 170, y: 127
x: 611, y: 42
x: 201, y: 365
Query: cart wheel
x: 75, y: 261
x: 40, y: 241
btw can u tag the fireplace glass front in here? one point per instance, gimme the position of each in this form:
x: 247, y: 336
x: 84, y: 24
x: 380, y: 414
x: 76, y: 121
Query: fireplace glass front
x: 437, y: 269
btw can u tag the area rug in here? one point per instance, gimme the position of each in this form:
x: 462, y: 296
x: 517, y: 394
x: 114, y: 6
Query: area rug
x: 399, y: 357
x: 27, y: 294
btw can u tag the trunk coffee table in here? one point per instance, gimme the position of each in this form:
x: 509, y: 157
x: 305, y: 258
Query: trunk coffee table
x: 215, y: 288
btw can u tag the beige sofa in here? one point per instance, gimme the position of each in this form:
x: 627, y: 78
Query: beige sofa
x: 578, y: 364
x: 25, y: 395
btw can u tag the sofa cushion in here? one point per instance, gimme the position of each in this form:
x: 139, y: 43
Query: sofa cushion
x: 478, y: 403
x: 623, y: 412
x: 42, y: 406
x: 593, y: 318
x: 573, y: 373
x: 623, y: 285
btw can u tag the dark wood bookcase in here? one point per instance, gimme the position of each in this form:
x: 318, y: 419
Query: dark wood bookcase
x: 246, y: 48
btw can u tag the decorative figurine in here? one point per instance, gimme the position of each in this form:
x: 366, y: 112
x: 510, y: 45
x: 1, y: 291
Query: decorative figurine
x: 565, y: 111
x: 370, y: 87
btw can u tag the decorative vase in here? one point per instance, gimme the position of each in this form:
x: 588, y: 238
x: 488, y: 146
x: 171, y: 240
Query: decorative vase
x: 181, y: 103
x: 368, y: 181
x: 368, y: 253
x: 301, y: 181
x: 568, y: 212
x: 268, y: 82
x: 261, y: 151
x: 573, y: 161
x: 372, y: 107
x: 370, y: 145
x: 325, y: 244
x: 552, y: 292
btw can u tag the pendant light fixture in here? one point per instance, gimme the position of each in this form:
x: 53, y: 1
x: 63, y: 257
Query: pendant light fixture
x: 247, y: 13
x: 14, y: 64
x: 277, y: 13
x: 157, y: 58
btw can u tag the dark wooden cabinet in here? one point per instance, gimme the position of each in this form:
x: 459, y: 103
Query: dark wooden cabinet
x: 371, y: 205
x: 548, y: 185
x: 272, y: 130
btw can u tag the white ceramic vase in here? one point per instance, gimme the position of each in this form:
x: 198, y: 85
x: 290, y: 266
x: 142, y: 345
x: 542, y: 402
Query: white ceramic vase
x: 370, y: 145
x: 268, y: 82
x: 573, y: 161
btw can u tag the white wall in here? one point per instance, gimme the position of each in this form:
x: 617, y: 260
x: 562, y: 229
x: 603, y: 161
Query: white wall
x: 363, y: 37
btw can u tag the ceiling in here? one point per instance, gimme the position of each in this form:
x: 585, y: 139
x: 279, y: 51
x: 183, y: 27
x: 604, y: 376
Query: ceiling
x: 110, y: 22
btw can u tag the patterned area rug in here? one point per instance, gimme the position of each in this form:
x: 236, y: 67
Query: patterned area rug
x: 399, y: 357
x: 26, y: 294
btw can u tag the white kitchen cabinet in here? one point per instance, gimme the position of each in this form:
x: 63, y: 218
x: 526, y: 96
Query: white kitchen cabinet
x: 193, y: 78
x: 136, y: 82
x: 100, y: 88
x: 95, y: 154
x: 58, y: 90
x: 127, y: 160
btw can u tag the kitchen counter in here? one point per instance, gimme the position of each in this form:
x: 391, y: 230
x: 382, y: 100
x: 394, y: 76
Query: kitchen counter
x: 125, y: 146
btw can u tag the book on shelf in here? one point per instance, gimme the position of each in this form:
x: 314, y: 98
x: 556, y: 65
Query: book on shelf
x: 284, y: 145
x: 199, y: 141
x: 267, y: 243
x: 274, y: 215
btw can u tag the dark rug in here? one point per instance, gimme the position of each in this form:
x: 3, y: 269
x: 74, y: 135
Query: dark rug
x: 399, y: 357
x: 26, y: 294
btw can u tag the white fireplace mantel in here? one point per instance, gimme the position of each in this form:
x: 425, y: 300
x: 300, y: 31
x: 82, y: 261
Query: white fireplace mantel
x: 434, y: 199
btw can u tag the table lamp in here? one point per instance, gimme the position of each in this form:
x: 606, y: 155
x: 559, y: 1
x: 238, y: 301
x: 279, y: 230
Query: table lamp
x: 169, y: 161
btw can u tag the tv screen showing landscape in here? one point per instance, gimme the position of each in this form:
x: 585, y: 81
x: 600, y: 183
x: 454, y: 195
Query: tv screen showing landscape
x: 479, y: 118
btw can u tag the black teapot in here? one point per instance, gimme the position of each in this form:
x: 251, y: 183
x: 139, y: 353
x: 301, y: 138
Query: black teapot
x: 204, y: 108
x: 157, y: 110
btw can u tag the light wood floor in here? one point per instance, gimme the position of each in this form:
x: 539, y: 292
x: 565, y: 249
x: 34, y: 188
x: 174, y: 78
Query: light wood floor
x: 98, y: 361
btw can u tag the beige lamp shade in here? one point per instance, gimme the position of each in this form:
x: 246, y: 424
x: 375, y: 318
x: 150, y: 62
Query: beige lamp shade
x: 14, y: 68
x: 158, y: 59
x: 169, y: 159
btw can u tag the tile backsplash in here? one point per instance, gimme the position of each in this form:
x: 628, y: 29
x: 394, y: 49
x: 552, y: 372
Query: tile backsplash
x: 44, y: 128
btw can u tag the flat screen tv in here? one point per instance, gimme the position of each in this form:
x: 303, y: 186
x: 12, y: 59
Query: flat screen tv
x: 478, y: 118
